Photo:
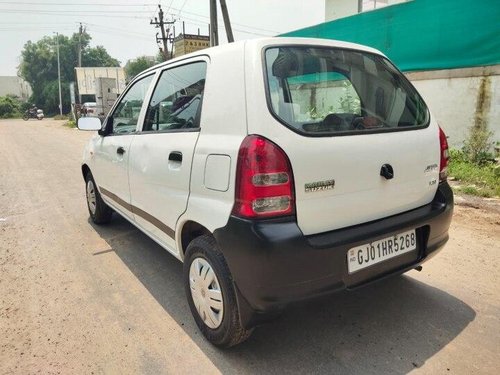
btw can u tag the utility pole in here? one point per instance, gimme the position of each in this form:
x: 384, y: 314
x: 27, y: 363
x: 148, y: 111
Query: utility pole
x: 214, y: 31
x: 173, y: 38
x: 162, y: 29
x: 165, y: 37
x: 227, y: 23
x: 80, y: 32
x: 59, y: 74
x: 214, y: 28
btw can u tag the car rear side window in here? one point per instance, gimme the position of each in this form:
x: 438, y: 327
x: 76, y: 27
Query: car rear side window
x: 176, y: 101
x: 328, y: 91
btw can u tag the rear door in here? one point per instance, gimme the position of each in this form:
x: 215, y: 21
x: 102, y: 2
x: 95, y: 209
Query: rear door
x: 162, y: 152
x: 358, y: 135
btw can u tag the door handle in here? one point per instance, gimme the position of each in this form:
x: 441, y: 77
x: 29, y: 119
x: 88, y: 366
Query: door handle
x: 175, y: 156
x: 120, y: 150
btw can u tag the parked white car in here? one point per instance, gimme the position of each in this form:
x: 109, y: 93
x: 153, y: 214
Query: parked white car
x: 277, y: 170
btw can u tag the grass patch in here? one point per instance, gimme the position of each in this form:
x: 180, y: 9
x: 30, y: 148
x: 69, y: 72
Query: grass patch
x: 480, y: 180
x: 61, y: 117
x: 70, y: 124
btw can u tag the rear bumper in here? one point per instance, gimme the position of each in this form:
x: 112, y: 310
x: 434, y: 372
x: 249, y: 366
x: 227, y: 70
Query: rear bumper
x: 274, y: 264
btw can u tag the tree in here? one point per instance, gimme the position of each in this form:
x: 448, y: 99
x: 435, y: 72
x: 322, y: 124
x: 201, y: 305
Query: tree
x: 11, y: 106
x: 39, y: 67
x: 134, y: 67
x: 98, y: 56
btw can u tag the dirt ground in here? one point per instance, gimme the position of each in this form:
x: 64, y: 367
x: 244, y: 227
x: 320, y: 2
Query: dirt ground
x: 79, y: 299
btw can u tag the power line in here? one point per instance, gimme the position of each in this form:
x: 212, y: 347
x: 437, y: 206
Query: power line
x: 234, y: 23
x: 36, y: 23
x: 123, y: 13
x: 151, y: 14
x: 118, y: 29
x: 169, y: 5
x: 125, y: 34
x: 182, y: 7
x: 35, y: 28
x: 77, y: 4
x: 113, y: 14
x: 14, y: 26
x: 79, y: 11
x: 68, y: 26
x: 128, y: 36
x: 74, y: 14
x: 198, y: 22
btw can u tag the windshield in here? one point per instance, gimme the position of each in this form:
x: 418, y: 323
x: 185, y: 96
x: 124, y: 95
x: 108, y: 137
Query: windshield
x: 330, y: 91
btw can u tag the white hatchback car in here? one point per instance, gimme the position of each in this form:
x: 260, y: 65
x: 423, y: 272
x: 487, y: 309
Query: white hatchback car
x: 277, y: 170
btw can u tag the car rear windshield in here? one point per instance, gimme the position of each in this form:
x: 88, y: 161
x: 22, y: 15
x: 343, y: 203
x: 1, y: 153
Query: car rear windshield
x: 325, y: 91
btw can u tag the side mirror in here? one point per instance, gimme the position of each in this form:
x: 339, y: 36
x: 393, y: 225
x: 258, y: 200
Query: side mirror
x: 89, y: 123
x: 108, y: 126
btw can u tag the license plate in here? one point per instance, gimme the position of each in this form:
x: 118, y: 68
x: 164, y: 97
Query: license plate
x: 367, y: 255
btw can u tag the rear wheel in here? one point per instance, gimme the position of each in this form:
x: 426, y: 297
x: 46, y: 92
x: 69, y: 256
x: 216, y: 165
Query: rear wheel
x: 211, y: 295
x: 100, y: 212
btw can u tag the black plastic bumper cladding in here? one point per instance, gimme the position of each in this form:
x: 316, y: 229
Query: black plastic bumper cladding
x: 273, y: 263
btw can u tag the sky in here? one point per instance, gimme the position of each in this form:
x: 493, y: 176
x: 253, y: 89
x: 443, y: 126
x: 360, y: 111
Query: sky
x: 122, y: 26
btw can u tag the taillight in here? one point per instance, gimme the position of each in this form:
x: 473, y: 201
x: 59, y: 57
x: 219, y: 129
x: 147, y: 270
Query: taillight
x: 264, y: 180
x: 443, y: 165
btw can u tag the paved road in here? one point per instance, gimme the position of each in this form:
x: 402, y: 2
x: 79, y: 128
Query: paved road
x: 79, y: 299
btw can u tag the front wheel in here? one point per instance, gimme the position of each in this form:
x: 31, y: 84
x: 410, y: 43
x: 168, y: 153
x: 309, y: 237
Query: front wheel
x: 211, y: 295
x: 99, y: 212
x: 26, y: 117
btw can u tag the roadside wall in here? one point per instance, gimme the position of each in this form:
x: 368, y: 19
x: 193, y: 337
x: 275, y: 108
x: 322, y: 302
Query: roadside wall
x: 335, y: 9
x: 12, y: 85
x: 457, y: 96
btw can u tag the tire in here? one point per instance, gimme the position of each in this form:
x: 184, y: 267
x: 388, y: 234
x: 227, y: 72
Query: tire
x: 223, y: 326
x: 99, y: 212
x: 26, y: 117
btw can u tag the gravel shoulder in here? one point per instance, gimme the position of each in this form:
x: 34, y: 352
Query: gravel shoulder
x: 75, y: 298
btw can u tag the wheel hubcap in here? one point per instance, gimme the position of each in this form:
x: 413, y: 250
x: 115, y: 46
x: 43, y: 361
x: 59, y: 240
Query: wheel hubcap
x: 206, y: 292
x: 91, y: 198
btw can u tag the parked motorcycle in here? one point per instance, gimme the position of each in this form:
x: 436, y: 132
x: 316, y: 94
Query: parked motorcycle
x: 32, y: 114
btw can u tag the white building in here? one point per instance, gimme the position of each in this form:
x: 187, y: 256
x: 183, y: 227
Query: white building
x: 12, y: 85
x: 335, y: 9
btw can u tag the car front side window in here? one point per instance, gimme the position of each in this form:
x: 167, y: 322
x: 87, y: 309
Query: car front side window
x: 126, y: 115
